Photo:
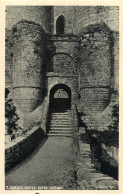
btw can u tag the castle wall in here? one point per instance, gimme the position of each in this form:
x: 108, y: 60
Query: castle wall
x: 28, y: 57
x: 38, y: 14
x: 62, y: 63
x: 63, y: 54
x: 116, y: 61
x: 78, y: 17
x: 8, y: 58
x: 87, y: 15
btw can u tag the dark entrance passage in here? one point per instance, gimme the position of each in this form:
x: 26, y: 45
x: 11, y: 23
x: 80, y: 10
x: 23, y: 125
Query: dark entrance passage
x: 60, y: 123
x: 60, y: 98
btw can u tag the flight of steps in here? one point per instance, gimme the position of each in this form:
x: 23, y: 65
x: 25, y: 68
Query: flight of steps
x: 60, y: 122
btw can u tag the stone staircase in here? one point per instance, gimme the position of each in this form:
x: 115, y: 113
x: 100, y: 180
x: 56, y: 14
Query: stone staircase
x: 60, y: 121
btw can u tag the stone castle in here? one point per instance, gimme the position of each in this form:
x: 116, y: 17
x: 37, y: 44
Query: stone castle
x: 65, y: 52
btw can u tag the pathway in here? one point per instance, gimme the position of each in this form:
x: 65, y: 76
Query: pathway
x: 51, y: 164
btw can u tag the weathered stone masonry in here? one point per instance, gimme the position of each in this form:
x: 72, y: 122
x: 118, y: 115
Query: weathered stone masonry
x: 23, y: 147
x: 29, y: 40
x: 95, y: 67
x: 84, y: 56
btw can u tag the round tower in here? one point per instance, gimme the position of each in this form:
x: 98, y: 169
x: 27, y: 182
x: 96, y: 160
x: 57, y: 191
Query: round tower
x: 28, y: 53
x: 95, y: 73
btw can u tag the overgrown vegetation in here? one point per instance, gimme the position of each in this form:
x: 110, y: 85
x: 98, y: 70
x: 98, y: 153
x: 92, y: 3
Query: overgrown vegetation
x: 105, y: 126
x: 11, y: 117
x: 115, y: 118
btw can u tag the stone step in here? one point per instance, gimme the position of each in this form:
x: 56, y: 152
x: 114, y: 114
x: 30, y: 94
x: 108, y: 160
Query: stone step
x: 66, y: 114
x: 65, y: 107
x: 60, y: 125
x: 60, y: 132
x: 61, y: 111
x: 61, y: 116
x: 62, y: 135
x: 60, y: 121
x: 60, y: 128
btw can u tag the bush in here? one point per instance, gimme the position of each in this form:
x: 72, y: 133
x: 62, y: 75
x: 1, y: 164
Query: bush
x: 115, y: 118
x: 11, y: 117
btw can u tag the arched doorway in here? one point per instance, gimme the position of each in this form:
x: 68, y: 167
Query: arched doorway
x: 60, y: 121
x: 60, y: 98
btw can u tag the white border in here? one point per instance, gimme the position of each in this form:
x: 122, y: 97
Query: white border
x: 2, y: 86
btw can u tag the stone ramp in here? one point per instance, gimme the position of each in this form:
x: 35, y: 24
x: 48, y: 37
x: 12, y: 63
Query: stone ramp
x: 51, y: 164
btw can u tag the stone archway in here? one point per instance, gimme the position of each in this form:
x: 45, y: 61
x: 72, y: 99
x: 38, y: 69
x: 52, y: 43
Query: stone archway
x: 60, y: 97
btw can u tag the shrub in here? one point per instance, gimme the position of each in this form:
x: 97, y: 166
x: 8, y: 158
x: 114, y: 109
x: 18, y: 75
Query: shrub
x: 11, y: 117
